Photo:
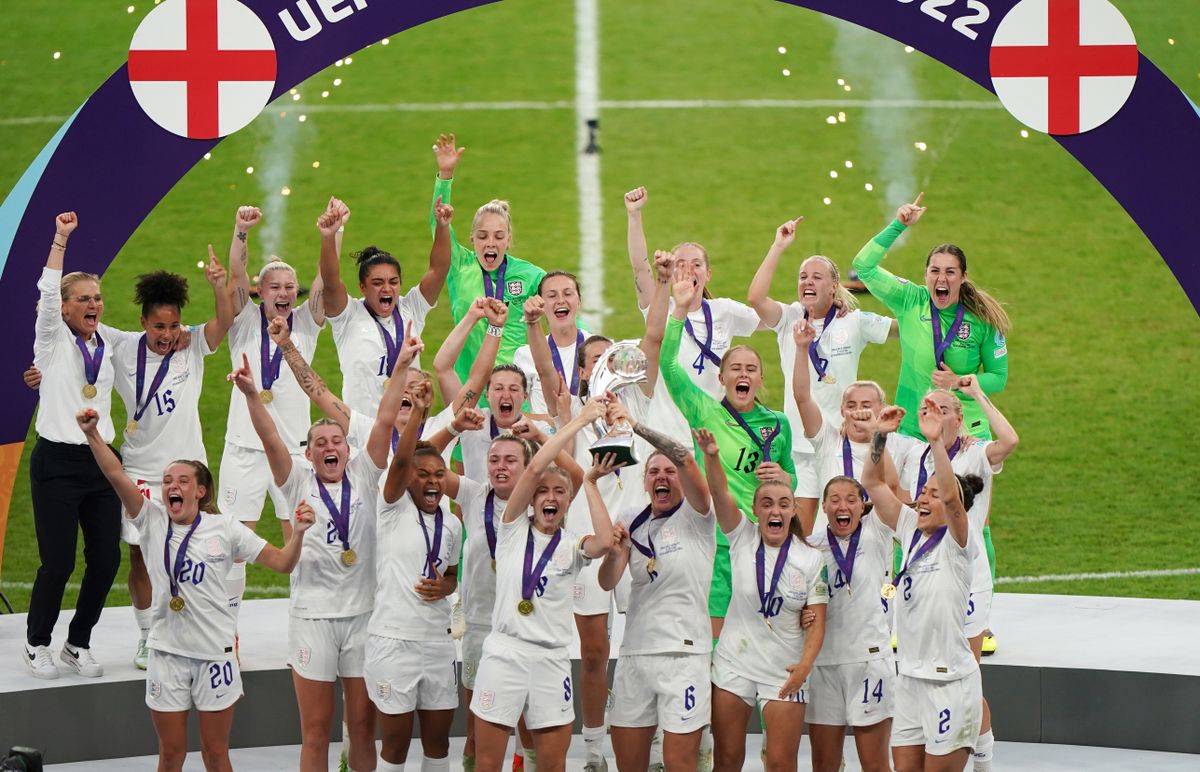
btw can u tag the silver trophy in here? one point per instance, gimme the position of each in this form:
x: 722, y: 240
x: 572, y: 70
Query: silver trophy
x: 621, y: 366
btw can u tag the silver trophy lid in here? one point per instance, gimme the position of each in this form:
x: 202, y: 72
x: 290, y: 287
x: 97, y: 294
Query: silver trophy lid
x: 622, y: 364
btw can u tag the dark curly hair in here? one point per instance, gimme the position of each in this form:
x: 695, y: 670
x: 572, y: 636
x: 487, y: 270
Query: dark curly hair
x: 160, y: 288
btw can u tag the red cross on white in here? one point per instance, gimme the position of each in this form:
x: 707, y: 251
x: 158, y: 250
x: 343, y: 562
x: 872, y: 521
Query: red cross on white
x: 1063, y: 66
x: 202, y: 68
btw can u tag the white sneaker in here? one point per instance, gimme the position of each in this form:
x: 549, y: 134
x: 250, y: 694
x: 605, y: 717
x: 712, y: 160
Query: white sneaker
x: 81, y: 661
x: 39, y: 661
x: 143, y: 655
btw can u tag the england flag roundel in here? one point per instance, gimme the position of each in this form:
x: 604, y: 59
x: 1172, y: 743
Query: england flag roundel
x: 1063, y: 66
x: 202, y: 69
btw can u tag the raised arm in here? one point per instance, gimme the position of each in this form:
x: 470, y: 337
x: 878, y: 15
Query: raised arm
x: 278, y: 457
x: 1005, y: 437
x: 239, y: 256
x: 131, y: 498
x: 400, y: 472
x: 532, y: 313
x: 810, y: 412
x: 876, y: 472
x: 728, y: 514
x: 284, y: 560
x: 312, y: 384
x: 64, y: 225
x: 930, y: 419
x: 216, y: 328
x: 439, y: 254
x: 49, y: 308
x: 881, y: 283
x: 695, y: 488
x: 759, y: 295
x: 447, y: 354
x: 333, y: 293
x: 467, y: 419
x: 656, y: 318
x: 448, y: 154
x: 618, y: 556
x: 601, y: 541
x: 689, y: 397
x: 496, y: 313
x: 379, y: 440
x: 527, y: 429
x: 522, y: 494
x: 643, y: 282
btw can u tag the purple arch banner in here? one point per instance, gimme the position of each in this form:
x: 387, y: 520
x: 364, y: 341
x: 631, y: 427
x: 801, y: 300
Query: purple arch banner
x: 1147, y: 156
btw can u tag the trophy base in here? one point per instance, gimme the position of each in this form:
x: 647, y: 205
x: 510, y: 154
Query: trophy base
x: 620, y: 448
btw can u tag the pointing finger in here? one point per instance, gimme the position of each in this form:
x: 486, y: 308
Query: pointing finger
x: 920, y: 196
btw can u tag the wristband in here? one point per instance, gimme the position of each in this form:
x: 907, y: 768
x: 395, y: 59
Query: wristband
x: 453, y: 432
x: 495, y: 331
x: 63, y: 247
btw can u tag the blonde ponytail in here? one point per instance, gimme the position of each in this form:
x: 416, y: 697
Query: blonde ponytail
x: 985, y: 307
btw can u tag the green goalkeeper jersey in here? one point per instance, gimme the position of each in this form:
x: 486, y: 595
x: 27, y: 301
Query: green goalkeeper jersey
x: 740, y: 453
x: 465, y: 282
x: 977, y: 348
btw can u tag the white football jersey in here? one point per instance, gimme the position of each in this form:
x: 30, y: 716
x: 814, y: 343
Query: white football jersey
x: 841, y: 345
x: 360, y: 425
x: 567, y: 355
x: 730, y: 319
x: 323, y: 586
x: 408, y: 539
x: 931, y: 605
x: 169, y: 426
x: 362, y: 353
x: 856, y: 627
x: 972, y: 460
x: 204, y: 628
x: 668, y: 607
x: 476, y: 443
x: 289, y: 404
x: 759, y: 647
x: 834, y: 453
x: 552, y: 623
x: 478, y: 575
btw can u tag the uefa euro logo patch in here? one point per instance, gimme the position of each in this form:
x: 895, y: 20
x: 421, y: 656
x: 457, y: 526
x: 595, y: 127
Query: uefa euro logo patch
x: 202, y: 69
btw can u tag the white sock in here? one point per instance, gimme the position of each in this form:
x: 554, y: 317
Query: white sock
x: 435, y: 765
x: 656, y: 744
x: 143, y: 616
x: 345, y: 739
x: 706, y: 740
x: 387, y: 766
x: 530, y: 759
x: 982, y: 753
x: 235, y: 585
x: 593, y: 743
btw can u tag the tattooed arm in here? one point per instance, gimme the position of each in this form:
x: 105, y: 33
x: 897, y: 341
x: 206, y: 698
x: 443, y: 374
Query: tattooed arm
x: 695, y: 487
x: 309, y: 381
x: 878, y: 468
x: 239, y: 256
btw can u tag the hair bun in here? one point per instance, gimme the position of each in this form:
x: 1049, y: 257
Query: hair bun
x: 973, y: 482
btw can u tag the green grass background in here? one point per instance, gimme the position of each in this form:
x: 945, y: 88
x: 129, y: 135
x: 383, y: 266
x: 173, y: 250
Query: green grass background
x: 1104, y: 341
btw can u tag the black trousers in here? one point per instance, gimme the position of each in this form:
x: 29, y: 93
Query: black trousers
x: 70, y: 493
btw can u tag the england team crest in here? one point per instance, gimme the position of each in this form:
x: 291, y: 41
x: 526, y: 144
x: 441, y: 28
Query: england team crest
x: 515, y: 287
x: 964, y: 332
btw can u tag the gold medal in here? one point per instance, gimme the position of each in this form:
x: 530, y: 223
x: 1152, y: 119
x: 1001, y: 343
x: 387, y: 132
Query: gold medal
x: 177, y: 603
x: 525, y: 607
x: 266, y: 397
x: 493, y: 565
x: 89, y: 390
x: 887, y: 591
x: 131, y: 427
x: 650, y: 564
x: 828, y: 378
x: 349, y: 557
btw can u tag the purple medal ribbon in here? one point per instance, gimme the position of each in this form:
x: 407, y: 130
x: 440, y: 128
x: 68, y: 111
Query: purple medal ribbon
x: 648, y: 549
x: 531, y: 574
x: 495, y: 290
x: 923, y: 475
x: 848, y: 464
x: 759, y: 440
x: 270, y: 364
x: 940, y: 344
x: 818, y: 362
x: 706, y: 351
x: 396, y: 435
x: 91, y: 362
x: 845, y: 563
x: 492, y: 428
x: 392, y: 345
x: 489, y: 521
x: 173, y: 575
x: 138, y: 406
x: 558, y: 365
x: 432, y: 550
x: 934, y: 540
x: 341, y: 517
x: 760, y: 559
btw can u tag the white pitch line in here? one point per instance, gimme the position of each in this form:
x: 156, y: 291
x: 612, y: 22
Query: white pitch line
x: 587, y: 165
x: 1083, y: 577
x: 604, y: 104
